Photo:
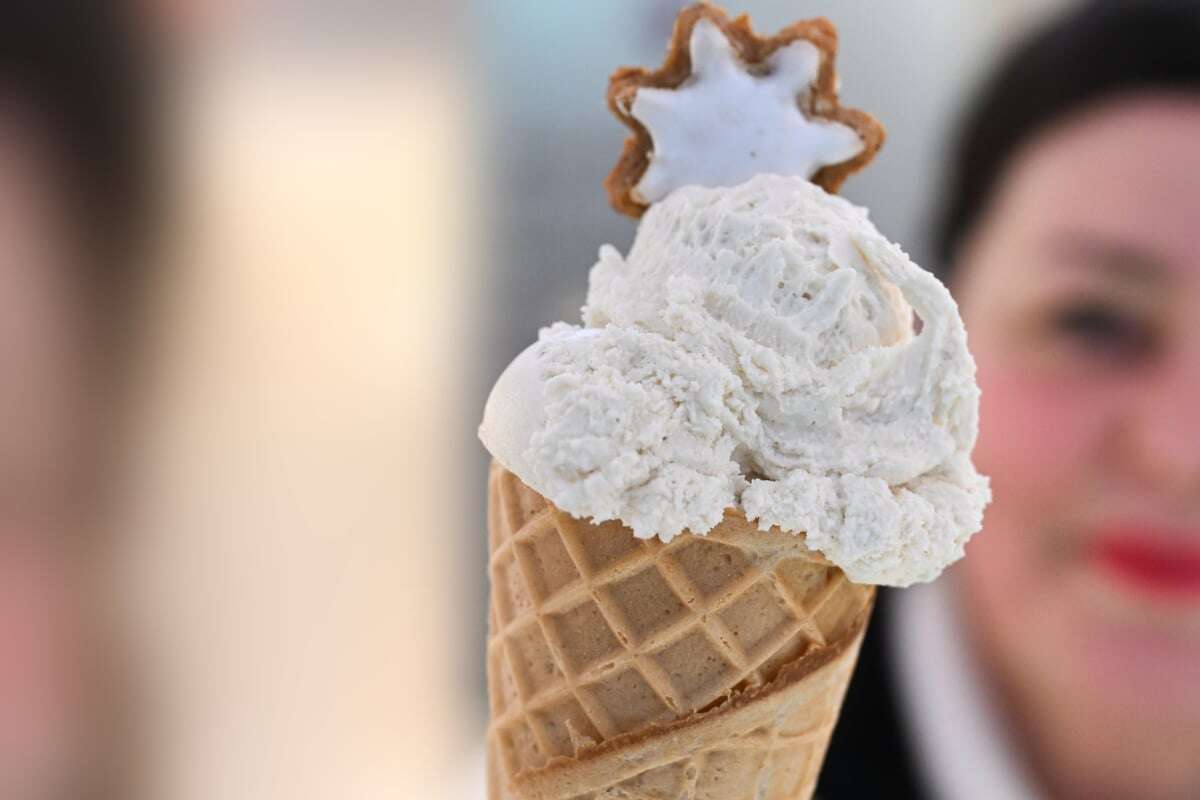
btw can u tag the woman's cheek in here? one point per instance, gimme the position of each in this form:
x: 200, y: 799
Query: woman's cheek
x: 1038, y: 433
x: 35, y: 688
x: 1038, y: 446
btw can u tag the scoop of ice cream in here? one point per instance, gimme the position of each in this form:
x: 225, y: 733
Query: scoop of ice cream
x: 755, y: 350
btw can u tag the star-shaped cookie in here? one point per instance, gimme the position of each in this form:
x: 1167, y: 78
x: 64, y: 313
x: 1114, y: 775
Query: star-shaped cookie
x: 728, y: 104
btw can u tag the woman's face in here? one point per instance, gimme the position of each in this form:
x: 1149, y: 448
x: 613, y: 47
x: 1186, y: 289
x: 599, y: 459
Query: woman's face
x: 42, y: 431
x: 1081, y: 292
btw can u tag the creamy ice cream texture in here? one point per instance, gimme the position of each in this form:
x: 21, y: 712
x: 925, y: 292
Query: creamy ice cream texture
x: 754, y: 351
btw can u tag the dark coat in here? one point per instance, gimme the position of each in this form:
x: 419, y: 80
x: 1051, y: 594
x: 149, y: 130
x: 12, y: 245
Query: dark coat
x: 870, y: 756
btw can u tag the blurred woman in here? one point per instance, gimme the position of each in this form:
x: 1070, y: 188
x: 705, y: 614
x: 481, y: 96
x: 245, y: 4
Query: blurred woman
x: 72, y: 172
x: 1062, y: 657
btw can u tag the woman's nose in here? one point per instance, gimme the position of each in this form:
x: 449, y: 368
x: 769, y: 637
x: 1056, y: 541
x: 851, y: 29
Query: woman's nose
x: 1163, y: 437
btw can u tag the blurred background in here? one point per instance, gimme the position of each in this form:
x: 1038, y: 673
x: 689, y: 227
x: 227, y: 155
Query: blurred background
x: 374, y: 206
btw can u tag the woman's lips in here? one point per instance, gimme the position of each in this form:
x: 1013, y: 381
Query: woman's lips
x: 1165, y: 564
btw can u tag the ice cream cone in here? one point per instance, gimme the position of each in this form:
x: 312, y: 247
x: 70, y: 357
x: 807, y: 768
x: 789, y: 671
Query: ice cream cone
x: 710, y: 666
x: 752, y: 354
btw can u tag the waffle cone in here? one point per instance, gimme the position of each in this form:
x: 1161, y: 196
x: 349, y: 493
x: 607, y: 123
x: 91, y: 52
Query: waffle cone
x: 713, y: 666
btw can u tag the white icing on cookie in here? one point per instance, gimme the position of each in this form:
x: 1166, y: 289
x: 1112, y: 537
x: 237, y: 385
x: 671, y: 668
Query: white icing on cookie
x: 725, y: 125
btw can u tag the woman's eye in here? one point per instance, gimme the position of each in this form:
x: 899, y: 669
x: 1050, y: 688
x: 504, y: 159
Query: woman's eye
x: 1105, y: 330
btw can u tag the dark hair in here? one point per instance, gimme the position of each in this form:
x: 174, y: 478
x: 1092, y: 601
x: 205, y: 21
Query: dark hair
x: 82, y: 71
x: 1105, y: 48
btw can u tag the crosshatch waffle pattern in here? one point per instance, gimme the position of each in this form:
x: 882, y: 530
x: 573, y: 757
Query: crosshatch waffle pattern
x: 599, y: 641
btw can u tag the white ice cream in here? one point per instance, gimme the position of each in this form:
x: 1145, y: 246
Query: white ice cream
x: 755, y: 351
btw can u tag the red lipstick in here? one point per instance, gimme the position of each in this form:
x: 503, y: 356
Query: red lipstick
x: 1161, y: 563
